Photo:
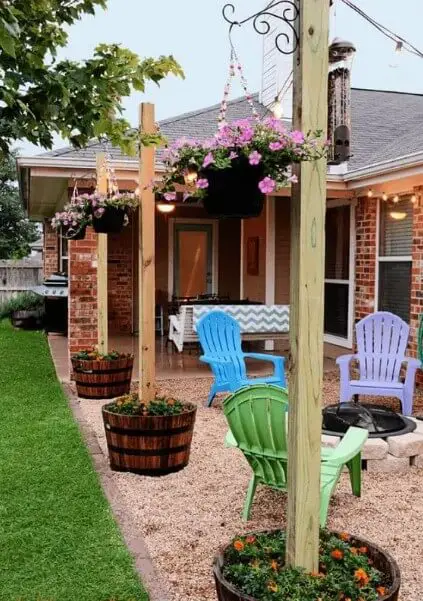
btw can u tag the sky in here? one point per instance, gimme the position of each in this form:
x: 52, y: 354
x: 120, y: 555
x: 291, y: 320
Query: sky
x: 196, y: 34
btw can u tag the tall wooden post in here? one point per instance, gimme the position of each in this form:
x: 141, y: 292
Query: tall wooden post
x: 146, y: 265
x: 102, y: 312
x: 307, y: 290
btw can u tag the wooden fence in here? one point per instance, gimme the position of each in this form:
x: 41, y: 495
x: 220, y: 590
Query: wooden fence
x: 18, y: 276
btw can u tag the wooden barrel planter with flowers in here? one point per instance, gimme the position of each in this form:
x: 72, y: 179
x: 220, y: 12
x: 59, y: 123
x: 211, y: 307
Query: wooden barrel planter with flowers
x: 102, y: 378
x: 31, y: 319
x: 152, y: 445
x: 385, y: 588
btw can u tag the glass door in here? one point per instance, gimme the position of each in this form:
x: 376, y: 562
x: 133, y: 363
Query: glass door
x: 193, y: 260
x: 338, y: 276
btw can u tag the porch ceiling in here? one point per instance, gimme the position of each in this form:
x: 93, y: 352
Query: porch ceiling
x: 46, y: 195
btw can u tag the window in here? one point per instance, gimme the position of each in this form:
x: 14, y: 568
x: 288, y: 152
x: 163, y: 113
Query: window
x: 63, y: 255
x: 395, y: 244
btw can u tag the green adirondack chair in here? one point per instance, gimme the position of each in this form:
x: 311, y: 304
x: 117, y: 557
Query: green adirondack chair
x: 257, y: 417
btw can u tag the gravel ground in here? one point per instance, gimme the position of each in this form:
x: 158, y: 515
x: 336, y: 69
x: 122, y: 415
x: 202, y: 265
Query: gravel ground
x: 185, y: 517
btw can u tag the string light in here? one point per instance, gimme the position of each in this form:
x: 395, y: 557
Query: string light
x: 413, y: 199
x: 396, y: 198
x: 370, y: 193
x: 277, y: 108
x: 384, y: 196
x: 398, y: 47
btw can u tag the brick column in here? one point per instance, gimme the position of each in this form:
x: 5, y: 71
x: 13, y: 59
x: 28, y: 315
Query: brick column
x: 50, y: 250
x: 82, y: 327
x: 416, y: 293
x: 365, y: 268
x: 120, y: 280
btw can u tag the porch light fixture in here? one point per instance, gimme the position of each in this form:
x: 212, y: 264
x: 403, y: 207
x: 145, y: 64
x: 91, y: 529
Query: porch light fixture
x: 165, y: 207
x: 398, y: 215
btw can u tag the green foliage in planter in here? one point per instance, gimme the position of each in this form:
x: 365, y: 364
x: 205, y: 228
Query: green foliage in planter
x: 129, y: 404
x: 254, y: 564
x: 26, y: 301
x: 94, y: 355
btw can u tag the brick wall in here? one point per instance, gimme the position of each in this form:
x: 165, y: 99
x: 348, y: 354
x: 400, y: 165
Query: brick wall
x: 416, y: 296
x: 120, y: 281
x: 82, y: 316
x: 365, y: 278
x: 50, y: 250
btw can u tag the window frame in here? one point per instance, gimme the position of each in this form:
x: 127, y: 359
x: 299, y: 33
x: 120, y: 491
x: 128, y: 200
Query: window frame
x: 62, y: 258
x: 384, y: 258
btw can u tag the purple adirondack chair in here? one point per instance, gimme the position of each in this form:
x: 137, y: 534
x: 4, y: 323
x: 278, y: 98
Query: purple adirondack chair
x: 381, y: 343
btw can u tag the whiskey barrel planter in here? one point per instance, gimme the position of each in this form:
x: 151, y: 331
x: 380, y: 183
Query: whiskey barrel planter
x: 382, y: 561
x: 149, y: 445
x: 27, y: 319
x: 103, y: 379
x: 111, y: 221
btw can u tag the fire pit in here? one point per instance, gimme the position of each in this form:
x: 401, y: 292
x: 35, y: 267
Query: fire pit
x: 379, y: 421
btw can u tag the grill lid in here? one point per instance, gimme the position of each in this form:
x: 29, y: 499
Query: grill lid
x: 381, y: 422
x: 54, y: 286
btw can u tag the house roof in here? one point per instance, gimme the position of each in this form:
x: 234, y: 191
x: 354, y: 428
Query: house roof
x: 385, y: 126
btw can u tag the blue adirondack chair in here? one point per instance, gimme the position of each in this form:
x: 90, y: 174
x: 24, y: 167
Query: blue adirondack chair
x: 382, y: 339
x: 220, y: 339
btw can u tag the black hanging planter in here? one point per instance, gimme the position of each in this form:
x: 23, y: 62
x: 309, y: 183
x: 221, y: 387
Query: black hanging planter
x: 111, y: 221
x: 234, y: 192
x: 73, y: 233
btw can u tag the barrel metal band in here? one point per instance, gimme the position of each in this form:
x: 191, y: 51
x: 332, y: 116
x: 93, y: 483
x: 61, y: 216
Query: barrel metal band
x: 145, y: 432
x: 149, y: 452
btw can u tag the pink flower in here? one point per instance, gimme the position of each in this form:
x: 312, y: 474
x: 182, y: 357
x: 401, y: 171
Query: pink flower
x: 267, y: 185
x: 293, y: 179
x: 233, y: 155
x: 254, y: 158
x: 276, y: 146
x: 170, y: 196
x: 208, y: 159
x: 297, y: 137
x: 202, y: 183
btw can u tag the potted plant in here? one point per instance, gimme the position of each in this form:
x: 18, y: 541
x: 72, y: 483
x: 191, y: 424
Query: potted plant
x: 251, y: 568
x: 72, y: 221
x: 102, y: 376
x: 246, y: 160
x: 25, y: 310
x: 110, y: 212
x: 149, y: 438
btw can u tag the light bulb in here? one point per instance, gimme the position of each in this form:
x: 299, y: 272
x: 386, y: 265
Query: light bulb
x: 277, y: 109
x: 398, y: 47
x: 384, y: 196
x: 413, y: 199
x: 137, y: 191
x: 370, y: 193
x: 396, y: 198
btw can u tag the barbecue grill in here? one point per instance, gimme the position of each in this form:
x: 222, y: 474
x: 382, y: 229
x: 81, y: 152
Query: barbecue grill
x: 54, y: 289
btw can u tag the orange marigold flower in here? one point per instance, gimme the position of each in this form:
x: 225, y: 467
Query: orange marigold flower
x: 337, y: 554
x: 274, y: 565
x: 250, y: 539
x: 354, y: 550
x: 363, y: 550
x: 239, y: 545
x: 381, y: 590
x: 362, y: 577
x: 344, y: 536
x: 170, y: 401
x: 272, y: 586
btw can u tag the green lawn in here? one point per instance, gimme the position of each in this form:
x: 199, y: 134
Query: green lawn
x: 58, y: 539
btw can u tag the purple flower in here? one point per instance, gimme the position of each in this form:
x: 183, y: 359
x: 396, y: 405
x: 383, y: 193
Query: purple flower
x: 267, y: 185
x: 208, y: 160
x: 202, y: 183
x: 297, y: 137
x: 170, y: 196
x: 293, y: 179
x: 233, y: 155
x: 276, y: 146
x: 254, y: 158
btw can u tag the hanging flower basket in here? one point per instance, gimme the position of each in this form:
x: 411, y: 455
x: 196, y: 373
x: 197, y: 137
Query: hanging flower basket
x: 110, y: 220
x: 72, y: 222
x: 234, y: 192
x: 252, y: 568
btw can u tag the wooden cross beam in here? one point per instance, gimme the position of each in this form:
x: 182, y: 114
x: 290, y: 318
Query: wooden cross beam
x: 308, y: 208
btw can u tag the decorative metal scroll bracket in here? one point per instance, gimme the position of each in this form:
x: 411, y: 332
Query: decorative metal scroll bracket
x: 286, y: 11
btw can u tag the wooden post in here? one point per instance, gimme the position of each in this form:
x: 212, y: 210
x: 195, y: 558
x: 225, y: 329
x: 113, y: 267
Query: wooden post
x: 307, y: 290
x: 102, y: 311
x: 146, y: 265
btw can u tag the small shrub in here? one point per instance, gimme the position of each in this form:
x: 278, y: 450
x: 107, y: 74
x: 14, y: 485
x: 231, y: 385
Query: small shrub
x: 95, y: 355
x: 129, y: 404
x: 25, y: 301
